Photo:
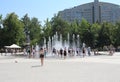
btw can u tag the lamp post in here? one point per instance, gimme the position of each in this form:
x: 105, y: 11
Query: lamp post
x: 27, y: 33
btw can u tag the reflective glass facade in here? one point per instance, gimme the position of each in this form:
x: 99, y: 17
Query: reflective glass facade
x: 93, y: 12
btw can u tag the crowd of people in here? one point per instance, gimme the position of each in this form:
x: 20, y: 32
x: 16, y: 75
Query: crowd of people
x: 60, y: 53
x: 71, y: 52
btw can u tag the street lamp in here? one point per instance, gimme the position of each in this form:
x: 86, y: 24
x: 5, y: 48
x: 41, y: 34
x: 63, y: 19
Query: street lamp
x: 27, y: 33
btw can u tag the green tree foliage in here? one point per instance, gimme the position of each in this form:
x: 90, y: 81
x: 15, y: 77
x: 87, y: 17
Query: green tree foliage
x: 73, y: 28
x: 94, y: 35
x: 59, y: 25
x: 112, y: 29
x: 26, y: 21
x: 85, y: 31
x: 13, y: 30
x: 95, y: 29
x: 104, y: 35
x: 1, y: 33
x: 117, y: 35
x: 33, y: 28
x: 47, y: 30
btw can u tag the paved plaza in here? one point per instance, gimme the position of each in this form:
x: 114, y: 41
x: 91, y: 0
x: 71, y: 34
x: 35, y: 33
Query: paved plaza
x: 101, y: 68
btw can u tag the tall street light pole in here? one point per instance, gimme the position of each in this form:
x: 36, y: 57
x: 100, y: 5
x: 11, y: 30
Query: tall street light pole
x: 27, y: 33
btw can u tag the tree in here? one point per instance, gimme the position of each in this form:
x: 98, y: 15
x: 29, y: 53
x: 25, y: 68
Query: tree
x: 26, y: 21
x: 116, y: 35
x: 13, y: 30
x: 35, y: 31
x: 104, y: 35
x: 47, y: 29
x: 95, y: 29
x: 32, y: 28
x: 85, y: 31
x: 59, y: 25
x: 73, y: 29
x: 1, y: 33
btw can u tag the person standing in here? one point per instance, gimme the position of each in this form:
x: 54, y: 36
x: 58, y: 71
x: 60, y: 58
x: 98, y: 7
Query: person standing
x: 54, y: 52
x: 45, y: 52
x: 83, y: 51
x: 41, y: 56
x: 28, y: 52
x: 33, y: 52
x: 65, y: 53
x: 89, y: 51
x: 61, y: 52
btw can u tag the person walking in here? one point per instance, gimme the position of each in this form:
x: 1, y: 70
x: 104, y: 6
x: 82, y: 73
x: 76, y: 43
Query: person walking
x: 42, y: 56
x: 54, y: 52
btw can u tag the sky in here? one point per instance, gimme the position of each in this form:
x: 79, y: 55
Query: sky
x: 41, y: 9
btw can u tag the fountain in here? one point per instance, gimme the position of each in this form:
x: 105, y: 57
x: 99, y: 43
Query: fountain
x: 56, y: 41
x: 57, y: 44
x: 37, y: 51
x: 68, y: 39
x: 44, y: 42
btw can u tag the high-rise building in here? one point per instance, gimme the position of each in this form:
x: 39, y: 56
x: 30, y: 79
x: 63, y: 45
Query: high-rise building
x: 93, y: 12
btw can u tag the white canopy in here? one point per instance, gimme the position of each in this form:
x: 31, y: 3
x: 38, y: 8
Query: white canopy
x: 13, y: 46
x: 7, y: 46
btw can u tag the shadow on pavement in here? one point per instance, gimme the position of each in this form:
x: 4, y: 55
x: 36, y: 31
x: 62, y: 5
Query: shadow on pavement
x: 36, y: 66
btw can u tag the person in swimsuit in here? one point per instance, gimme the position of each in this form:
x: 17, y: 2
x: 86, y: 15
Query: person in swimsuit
x: 41, y: 56
x: 65, y: 53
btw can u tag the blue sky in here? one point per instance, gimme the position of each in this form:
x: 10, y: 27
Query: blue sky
x: 41, y: 9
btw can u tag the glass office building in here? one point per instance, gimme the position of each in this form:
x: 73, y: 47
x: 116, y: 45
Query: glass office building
x: 93, y: 12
